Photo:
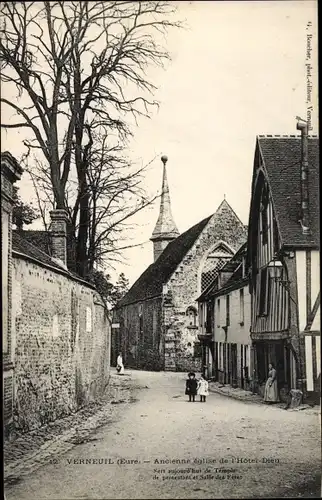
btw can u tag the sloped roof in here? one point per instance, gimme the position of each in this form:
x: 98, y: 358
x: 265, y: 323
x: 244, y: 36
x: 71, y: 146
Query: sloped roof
x: 22, y: 245
x: 40, y: 239
x: 282, y: 161
x: 150, y: 283
x: 235, y: 282
x: 232, y: 266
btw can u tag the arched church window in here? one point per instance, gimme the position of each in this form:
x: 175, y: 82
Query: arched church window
x: 191, y: 314
x: 214, y: 262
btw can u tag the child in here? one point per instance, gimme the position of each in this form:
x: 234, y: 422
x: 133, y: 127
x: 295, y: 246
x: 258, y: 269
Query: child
x: 203, y: 389
x: 191, y: 386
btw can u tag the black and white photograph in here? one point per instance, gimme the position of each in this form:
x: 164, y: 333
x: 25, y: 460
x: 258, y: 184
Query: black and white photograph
x: 160, y: 244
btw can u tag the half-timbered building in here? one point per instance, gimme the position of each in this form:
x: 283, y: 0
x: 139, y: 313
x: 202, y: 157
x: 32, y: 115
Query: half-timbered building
x: 283, y: 255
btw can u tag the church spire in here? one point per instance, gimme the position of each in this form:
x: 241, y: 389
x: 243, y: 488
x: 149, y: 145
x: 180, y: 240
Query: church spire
x: 165, y: 229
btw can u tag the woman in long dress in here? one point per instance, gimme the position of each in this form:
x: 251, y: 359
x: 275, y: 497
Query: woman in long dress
x: 119, y: 364
x: 271, y: 390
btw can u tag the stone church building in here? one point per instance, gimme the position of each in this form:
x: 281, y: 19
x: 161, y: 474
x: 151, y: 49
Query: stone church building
x: 158, y: 317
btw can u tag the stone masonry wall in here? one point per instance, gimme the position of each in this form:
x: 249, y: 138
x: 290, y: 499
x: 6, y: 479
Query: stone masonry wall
x: 61, y: 344
x: 184, y: 287
x: 10, y: 173
x: 139, y: 336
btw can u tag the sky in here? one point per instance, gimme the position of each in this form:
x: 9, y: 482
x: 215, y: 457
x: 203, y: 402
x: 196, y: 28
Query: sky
x: 238, y: 70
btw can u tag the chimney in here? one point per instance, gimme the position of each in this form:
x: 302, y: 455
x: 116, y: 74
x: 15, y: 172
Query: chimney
x: 59, y: 220
x: 303, y: 127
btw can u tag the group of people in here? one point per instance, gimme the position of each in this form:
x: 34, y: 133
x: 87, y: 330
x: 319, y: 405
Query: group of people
x: 196, y: 387
x: 199, y: 387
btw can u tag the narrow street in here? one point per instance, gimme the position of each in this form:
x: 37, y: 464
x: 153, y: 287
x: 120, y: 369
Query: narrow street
x: 223, y: 448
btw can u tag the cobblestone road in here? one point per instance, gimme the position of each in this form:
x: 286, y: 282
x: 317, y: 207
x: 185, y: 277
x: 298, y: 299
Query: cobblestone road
x: 223, y: 448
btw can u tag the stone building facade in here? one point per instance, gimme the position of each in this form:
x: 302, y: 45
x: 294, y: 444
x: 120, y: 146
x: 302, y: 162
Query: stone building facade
x: 57, y: 329
x: 158, y: 318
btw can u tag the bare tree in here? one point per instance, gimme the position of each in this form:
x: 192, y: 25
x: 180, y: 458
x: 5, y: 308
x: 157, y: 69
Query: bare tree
x: 116, y: 194
x: 77, y: 67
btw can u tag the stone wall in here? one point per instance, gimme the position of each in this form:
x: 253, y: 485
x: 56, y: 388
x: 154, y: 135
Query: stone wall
x: 10, y: 173
x: 61, y: 344
x: 183, y: 288
x: 139, y: 336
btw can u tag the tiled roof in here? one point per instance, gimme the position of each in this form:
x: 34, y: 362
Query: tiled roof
x: 234, y: 283
x: 21, y: 245
x: 282, y: 161
x: 232, y: 266
x: 150, y: 283
x: 40, y: 239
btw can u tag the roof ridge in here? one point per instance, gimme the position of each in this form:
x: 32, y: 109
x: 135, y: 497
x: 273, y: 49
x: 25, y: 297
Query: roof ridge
x: 150, y: 282
x: 285, y: 136
x: 230, y: 207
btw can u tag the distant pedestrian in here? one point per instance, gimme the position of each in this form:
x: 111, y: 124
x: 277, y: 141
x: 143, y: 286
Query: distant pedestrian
x: 271, y: 390
x: 191, y: 386
x: 202, y: 389
x: 119, y: 364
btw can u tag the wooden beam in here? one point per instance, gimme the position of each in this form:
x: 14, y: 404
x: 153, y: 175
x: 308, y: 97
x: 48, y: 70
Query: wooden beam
x: 313, y: 312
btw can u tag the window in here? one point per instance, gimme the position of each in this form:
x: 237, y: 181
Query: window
x: 218, y: 313
x: 154, y: 327
x: 209, y: 317
x: 264, y: 224
x: 264, y: 292
x: 264, y: 214
x: 141, y: 326
x: 227, y: 310
x: 191, y: 314
x: 197, y: 350
x: 241, y: 306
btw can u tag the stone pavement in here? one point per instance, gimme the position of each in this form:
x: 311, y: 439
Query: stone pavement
x: 247, y: 396
x: 29, y: 451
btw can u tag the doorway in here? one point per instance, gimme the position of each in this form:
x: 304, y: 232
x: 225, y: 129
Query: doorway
x: 234, y: 380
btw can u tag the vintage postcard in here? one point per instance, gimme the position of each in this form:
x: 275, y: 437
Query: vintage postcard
x: 160, y: 230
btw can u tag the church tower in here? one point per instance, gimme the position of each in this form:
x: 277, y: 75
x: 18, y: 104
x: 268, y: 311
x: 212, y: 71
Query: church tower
x: 165, y: 229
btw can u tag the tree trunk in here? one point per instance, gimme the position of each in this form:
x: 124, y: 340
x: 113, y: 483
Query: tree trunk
x: 82, y: 237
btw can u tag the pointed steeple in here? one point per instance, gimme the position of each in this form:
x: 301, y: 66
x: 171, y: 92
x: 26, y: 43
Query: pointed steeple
x: 165, y: 229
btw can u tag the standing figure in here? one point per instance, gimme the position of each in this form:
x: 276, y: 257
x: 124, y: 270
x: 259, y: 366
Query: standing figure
x: 271, y: 390
x: 119, y: 364
x: 203, y: 389
x: 191, y: 386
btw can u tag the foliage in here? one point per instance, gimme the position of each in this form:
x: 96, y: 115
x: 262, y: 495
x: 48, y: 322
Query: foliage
x: 110, y: 293
x: 23, y: 213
